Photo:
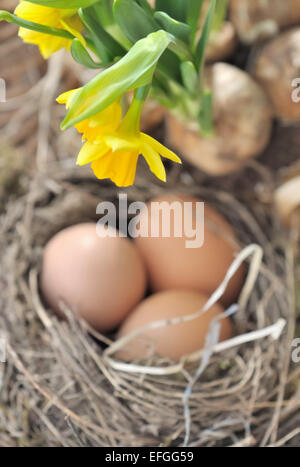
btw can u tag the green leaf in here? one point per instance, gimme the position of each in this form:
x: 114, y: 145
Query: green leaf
x: 107, y: 47
x: 178, y: 29
x: 206, y: 117
x: 81, y: 55
x: 193, y: 17
x: 220, y: 14
x: 201, y: 47
x: 132, y: 71
x: 169, y: 66
x: 103, y: 11
x: 134, y: 21
x: 146, y: 6
x: 64, y: 4
x: 177, y: 9
x: 190, y: 77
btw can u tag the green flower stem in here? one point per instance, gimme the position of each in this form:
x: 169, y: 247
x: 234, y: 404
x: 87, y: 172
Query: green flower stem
x: 206, y: 117
x: 104, y: 13
x: 132, y: 120
x: 22, y: 23
x: 203, y: 42
x: 142, y: 93
x: 194, y: 12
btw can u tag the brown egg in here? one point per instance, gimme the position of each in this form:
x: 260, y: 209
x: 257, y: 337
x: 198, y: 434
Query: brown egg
x: 102, y: 279
x: 173, y: 341
x: 171, y: 265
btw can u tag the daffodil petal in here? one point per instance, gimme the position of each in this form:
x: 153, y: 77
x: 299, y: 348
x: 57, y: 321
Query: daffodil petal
x: 112, y: 114
x: 120, y: 167
x: 67, y: 24
x: 47, y: 44
x: 117, y: 143
x: 106, y: 122
x: 158, y: 147
x: 91, y: 152
x: 38, y: 13
x: 94, y: 128
x: 48, y: 16
x: 67, y: 97
x: 154, y: 161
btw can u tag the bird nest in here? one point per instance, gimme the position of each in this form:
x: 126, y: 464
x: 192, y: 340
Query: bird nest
x: 61, y: 385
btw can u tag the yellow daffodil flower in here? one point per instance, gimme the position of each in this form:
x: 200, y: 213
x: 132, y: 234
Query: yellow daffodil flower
x: 52, y: 17
x: 115, y: 155
x: 114, y: 146
x: 106, y: 121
